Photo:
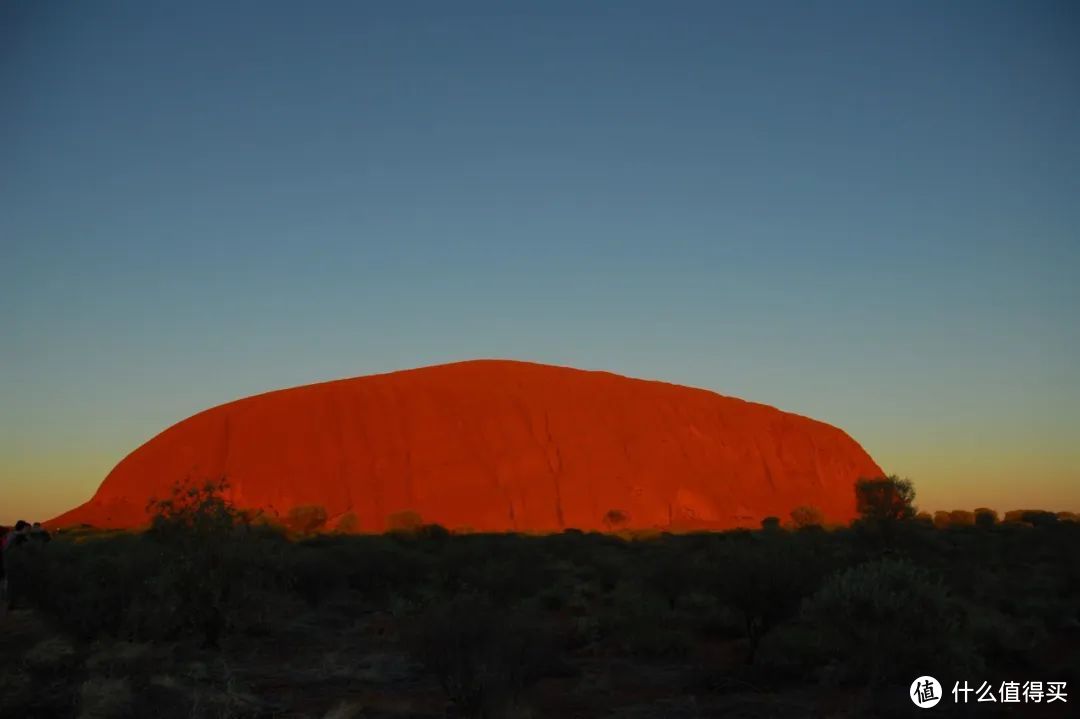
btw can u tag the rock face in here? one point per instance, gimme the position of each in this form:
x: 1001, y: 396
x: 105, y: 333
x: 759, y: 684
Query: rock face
x: 498, y: 445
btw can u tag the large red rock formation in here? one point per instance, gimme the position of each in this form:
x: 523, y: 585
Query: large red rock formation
x: 498, y: 445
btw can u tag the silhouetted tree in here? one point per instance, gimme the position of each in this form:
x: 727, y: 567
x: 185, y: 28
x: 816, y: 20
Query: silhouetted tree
x: 195, y: 526
x: 885, y: 499
x: 985, y: 517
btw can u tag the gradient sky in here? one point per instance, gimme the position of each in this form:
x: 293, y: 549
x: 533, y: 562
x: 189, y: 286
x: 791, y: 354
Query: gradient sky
x: 868, y: 213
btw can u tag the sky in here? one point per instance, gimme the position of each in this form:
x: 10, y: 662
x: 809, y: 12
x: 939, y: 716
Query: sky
x: 868, y: 213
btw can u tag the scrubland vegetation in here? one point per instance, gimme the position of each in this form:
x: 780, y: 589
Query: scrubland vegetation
x: 211, y: 613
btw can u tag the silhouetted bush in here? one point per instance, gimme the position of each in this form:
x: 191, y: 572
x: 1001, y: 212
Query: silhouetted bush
x: 432, y: 533
x: 764, y: 581
x: 347, y: 523
x: 961, y: 518
x: 405, y: 521
x: 807, y: 516
x: 89, y: 588
x: 1034, y: 517
x: 640, y: 624
x: 1038, y: 517
x: 671, y: 574
x: 315, y: 573
x: 985, y: 517
x: 504, y: 568
x: 886, y: 619
x: 196, y: 531
x: 615, y: 519
x: 378, y: 567
x: 770, y: 524
x: 483, y: 655
x: 306, y: 518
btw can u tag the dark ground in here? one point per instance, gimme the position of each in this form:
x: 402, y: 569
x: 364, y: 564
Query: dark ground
x: 223, y: 619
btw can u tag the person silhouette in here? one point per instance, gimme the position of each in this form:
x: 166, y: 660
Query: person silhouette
x: 37, y: 533
x: 18, y: 535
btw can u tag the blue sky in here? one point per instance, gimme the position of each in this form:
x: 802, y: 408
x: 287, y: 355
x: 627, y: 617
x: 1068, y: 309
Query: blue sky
x: 863, y: 212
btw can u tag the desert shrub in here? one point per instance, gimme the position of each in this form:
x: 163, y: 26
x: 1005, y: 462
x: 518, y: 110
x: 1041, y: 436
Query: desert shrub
x: 315, y: 574
x: 306, y: 518
x: 404, y: 521
x: 89, y: 588
x: 605, y: 565
x: 615, y: 519
x: 347, y: 523
x: 432, y: 533
x: 770, y: 524
x: 1001, y: 640
x: 483, y: 655
x: 378, y: 567
x: 194, y: 509
x: 764, y: 581
x: 884, y: 619
x: 807, y: 516
x: 195, y: 530
x: 884, y: 499
x: 961, y: 518
x: 670, y: 574
x: 1038, y: 517
x: 792, y: 651
x: 505, y: 568
x: 640, y: 623
x: 265, y: 521
x: 985, y: 517
x: 216, y: 573
x: 1034, y: 517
